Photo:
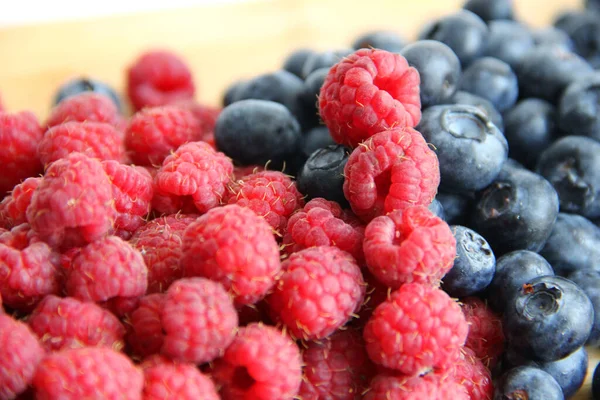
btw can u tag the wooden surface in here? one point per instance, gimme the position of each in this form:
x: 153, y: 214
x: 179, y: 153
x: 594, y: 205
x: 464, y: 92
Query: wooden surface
x: 222, y: 43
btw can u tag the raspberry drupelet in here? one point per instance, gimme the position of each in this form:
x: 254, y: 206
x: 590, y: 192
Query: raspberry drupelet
x: 86, y: 107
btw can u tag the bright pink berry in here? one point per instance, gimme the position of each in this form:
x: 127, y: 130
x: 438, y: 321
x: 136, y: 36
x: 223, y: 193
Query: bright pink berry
x: 473, y: 376
x: 399, y: 387
x: 14, y: 206
x: 86, y: 107
x: 486, y: 337
x: 146, y: 336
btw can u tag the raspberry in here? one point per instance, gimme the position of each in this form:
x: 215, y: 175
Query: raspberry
x: 486, y: 337
x: 132, y: 193
x: 240, y: 171
x: 166, y: 379
x: 234, y: 246
x: 430, y: 386
x: 73, y: 205
x: 21, y: 236
x: 88, y: 372
x: 324, y: 223
x: 392, y: 170
x: 367, y: 92
x: 473, y: 376
x: 262, y: 363
x: 14, y: 206
x: 337, y: 368
x: 410, y: 245
x: 270, y: 194
x: 205, y: 115
x: 418, y: 328
x: 146, y: 336
x: 159, y: 242
x: 375, y: 294
x: 320, y: 290
x: 86, y: 107
x: 20, y: 353
x: 158, y: 78
x: 20, y: 134
x: 196, y: 170
x: 154, y: 132
x: 198, y: 319
x: 106, y: 269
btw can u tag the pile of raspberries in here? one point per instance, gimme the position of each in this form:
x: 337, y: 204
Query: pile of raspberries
x: 138, y: 262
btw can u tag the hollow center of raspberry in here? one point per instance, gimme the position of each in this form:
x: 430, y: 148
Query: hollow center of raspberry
x: 383, y: 182
x: 242, y: 379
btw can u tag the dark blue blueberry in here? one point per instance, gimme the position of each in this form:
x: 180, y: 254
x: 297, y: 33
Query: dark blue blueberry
x: 254, y: 132
x: 323, y: 174
x: 231, y: 93
x: 489, y: 10
x: 438, y: 67
x: 474, y: 265
x: 579, y: 107
x: 593, y: 5
x: 464, y: 32
x: 527, y: 383
x: 573, y: 245
x: 295, y: 61
x: 548, y: 319
x: 81, y: 85
x: 589, y: 281
x: 384, y: 40
x: 457, y: 207
x: 315, y: 139
x: 462, y: 97
x: 552, y: 37
x: 437, y: 209
x: 493, y: 80
x: 509, y: 41
x: 545, y: 72
x: 596, y: 383
x: 512, y: 271
x: 584, y: 30
x: 325, y: 59
x: 308, y: 98
x: 530, y: 127
x: 516, y: 212
x: 470, y: 149
x: 572, y: 165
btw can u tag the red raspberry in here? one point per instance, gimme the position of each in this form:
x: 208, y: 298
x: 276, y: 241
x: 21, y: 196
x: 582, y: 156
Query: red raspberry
x: 486, y: 337
x: 153, y: 133
x: 430, y: 386
x: 106, y: 269
x: 473, y: 376
x: 159, y: 242
x: 146, y: 336
x: 20, y: 134
x: 367, y: 92
x: 262, y: 363
x: 132, y: 192
x: 270, y: 194
x: 86, y: 107
x: 234, y: 246
x: 21, y: 236
x: 86, y: 373
x: 240, y: 171
x: 14, y: 206
x: 418, y: 328
x: 158, y: 78
x: 197, y: 171
x: 375, y: 294
x: 336, y: 368
x: 320, y: 290
x: 198, y: 319
x: 205, y: 115
x: 20, y: 353
x: 410, y: 245
x: 324, y: 223
x: 392, y: 170
x: 73, y: 205
x: 167, y: 379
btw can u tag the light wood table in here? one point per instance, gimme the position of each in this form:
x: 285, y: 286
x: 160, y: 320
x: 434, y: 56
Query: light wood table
x: 222, y: 43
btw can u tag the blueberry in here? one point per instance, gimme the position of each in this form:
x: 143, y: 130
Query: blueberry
x: 437, y: 209
x: 517, y: 211
x: 589, y: 281
x: 295, y: 61
x: 474, y: 265
x: 548, y: 319
x: 323, y: 174
x: 493, y: 80
x: 489, y: 10
x: 470, y: 149
x: 384, y: 40
x: 231, y: 93
x: 530, y: 127
x: 308, y: 97
x: 593, y: 5
x: 596, y: 383
x: 527, y: 382
x: 545, y: 72
x: 461, y: 97
x: 315, y: 139
x: 464, y: 32
x: 584, y: 30
x: 573, y: 245
x: 552, y: 37
x: 456, y: 206
x: 509, y: 41
x: 579, y: 107
x: 81, y: 85
x: 439, y: 70
x: 512, y: 271
x: 325, y: 59
x: 572, y: 165
x: 253, y: 132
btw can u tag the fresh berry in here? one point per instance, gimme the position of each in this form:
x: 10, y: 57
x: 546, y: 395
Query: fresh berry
x: 584, y: 30
x: 86, y: 107
x: 20, y: 354
x: 579, y: 108
x: 230, y: 93
x: 87, y: 372
x: 484, y: 105
x: 146, y: 335
x: 392, y: 170
x: 14, y: 206
x: 493, y: 80
x: 198, y: 320
x: 383, y: 40
x: 437, y: 209
x: 410, y: 245
x: 470, y: 372
x: 308, y: 98
x: 295, y: 61
x: 551, y: 36
x: 239, y: 172
x: 509, y: 41
x: 457, y: 206
x: 80, y: 85
x: 320, y: 290
x: 418, y: 328
x: 158, y: 78
x: 324, y: 59
x: 262, y: 363
x: 205, y: 115
x: 316, y: 139
x: 527, y: 383
x: 491, y: 10
x: 485, y: 338
x: 401, y: 387
x: 368, y: 92
x: 62, y: 323
x: 589, y: 282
